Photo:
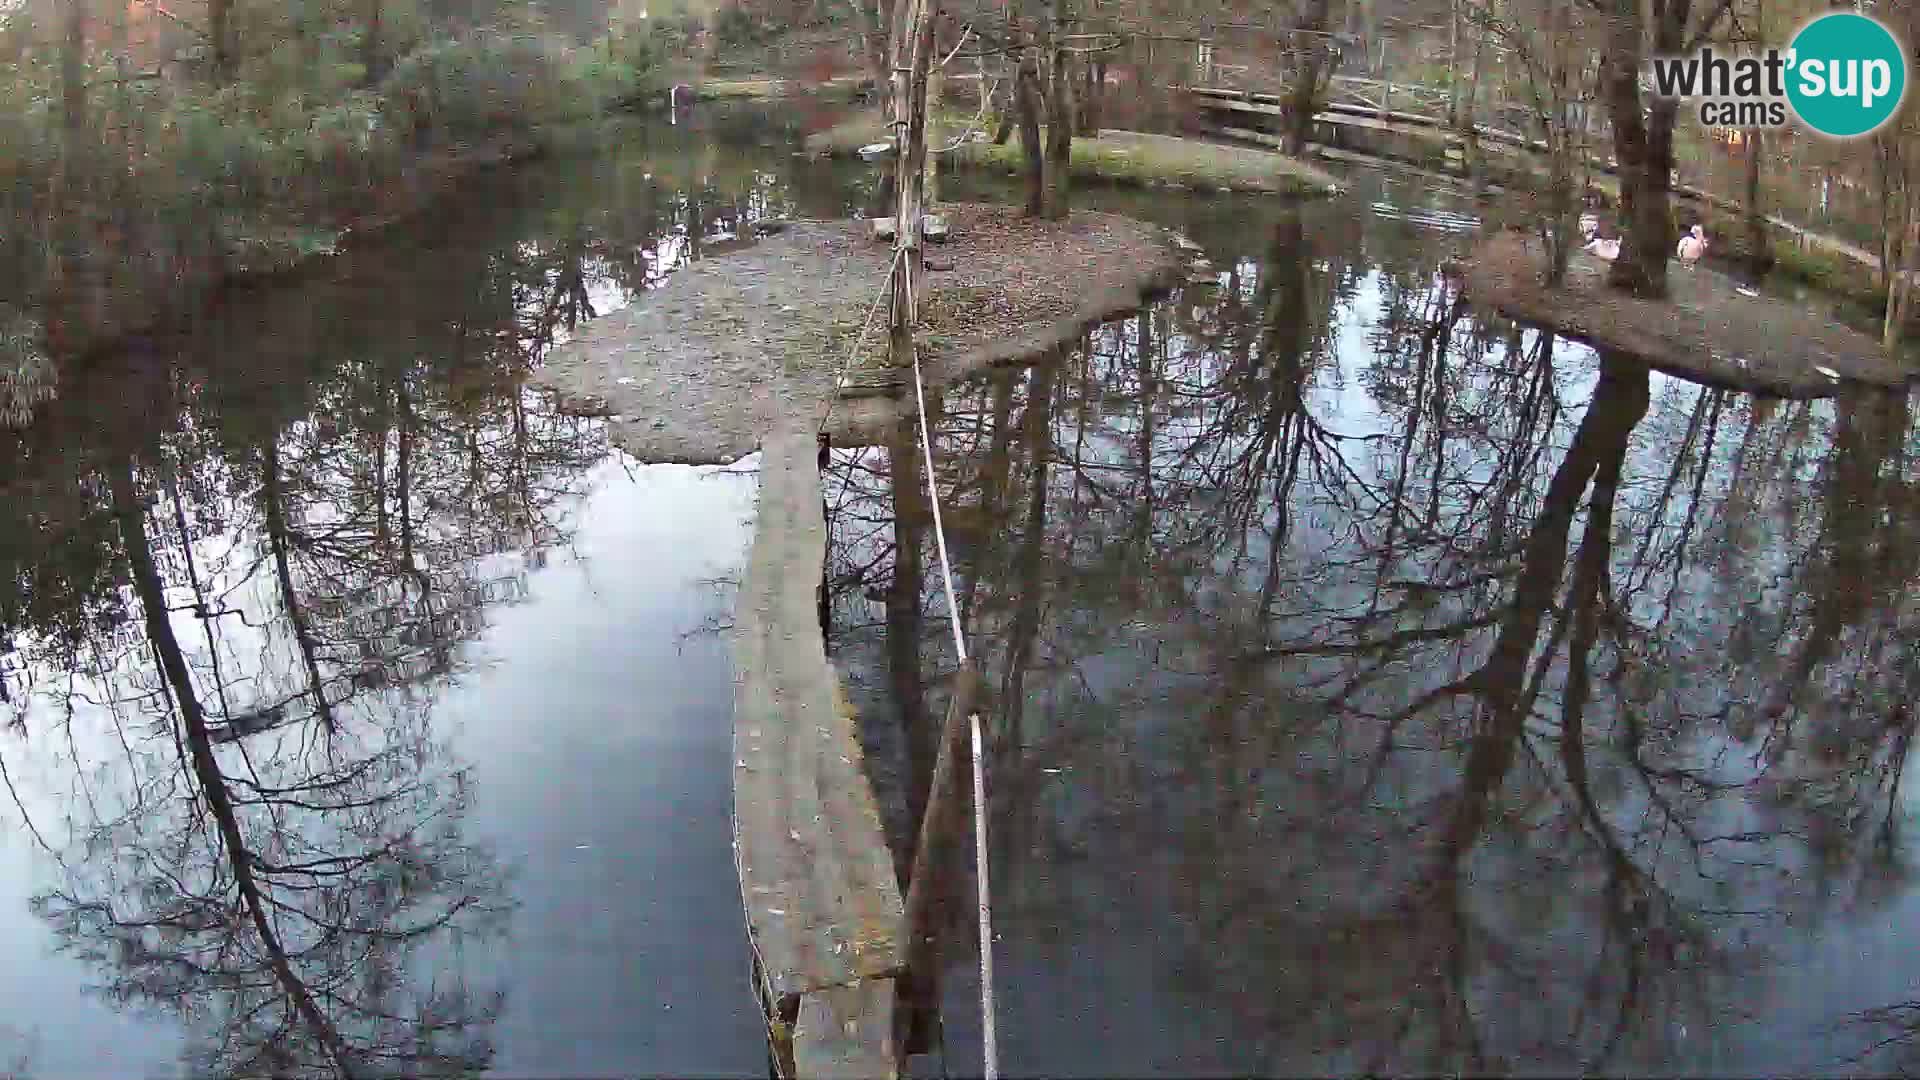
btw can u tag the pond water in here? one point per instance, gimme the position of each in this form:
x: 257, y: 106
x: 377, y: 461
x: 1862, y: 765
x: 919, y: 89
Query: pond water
x: 1381, y: 687
x: 362, y: 709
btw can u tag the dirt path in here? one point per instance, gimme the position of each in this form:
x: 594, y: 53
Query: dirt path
x: 1708, y: 331
x: 702, y: 369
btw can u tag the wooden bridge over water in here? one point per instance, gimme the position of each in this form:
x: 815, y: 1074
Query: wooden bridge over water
x: 1415, y: 114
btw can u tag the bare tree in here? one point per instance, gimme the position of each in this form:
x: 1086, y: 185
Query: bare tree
x: 1643, y: 130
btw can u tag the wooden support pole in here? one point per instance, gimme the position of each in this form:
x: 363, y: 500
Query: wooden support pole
x: 913, y: 46
x: 936, y: 844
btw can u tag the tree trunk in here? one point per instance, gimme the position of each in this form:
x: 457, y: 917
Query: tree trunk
x: 1027, y: 106
x: 370, y: 47
x: 403, y: 480
x: 1310, y: 51
x: 936, y: 133
x: 73, y: 74
x: 130, y: 512
x: 66, y: 293
x: 1759, y: 245
x: 279, y: 539
x: 1560, y: 146
x: 932, y: 885
x: 1883, y: 158
x: 217, y: 29
x: 1060, y: 121
x: 1643, y: 146
x: 1899, y: 291
x: 912, y: 521
x: 873, y: 39
x: 1469, y: 124
x: 1090, y: 104
x: 1453, y: 60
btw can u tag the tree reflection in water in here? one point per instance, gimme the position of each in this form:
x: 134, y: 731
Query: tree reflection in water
x: 1450, y: 698
x: 246, y: 561
x: 266, y: 836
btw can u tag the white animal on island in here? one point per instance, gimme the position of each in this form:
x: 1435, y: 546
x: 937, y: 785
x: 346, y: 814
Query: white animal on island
x: 1693, y: 246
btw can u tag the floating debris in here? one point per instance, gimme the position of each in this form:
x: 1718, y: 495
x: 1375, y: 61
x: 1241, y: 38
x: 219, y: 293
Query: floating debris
x: 1744, y: 291
x: 1828, y: 372
x: 625, y: 380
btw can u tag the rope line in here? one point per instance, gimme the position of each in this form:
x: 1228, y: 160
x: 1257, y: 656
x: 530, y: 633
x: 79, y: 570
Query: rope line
x: 839, y: 380
x: 989, y: 1025
x: 933, y: 496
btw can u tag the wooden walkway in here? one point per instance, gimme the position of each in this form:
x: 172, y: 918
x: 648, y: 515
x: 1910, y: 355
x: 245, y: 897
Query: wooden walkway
x: 1361, y: 114
x: 823, y: 906
x: 1235, y: 108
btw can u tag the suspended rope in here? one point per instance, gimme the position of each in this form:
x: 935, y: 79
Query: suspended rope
x: 853, y: 354
x: 987, y: 1013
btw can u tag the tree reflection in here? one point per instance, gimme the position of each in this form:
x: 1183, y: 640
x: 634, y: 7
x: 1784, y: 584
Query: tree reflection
x: 282, y: 858
x: 1466, y: 702
x: 281, y: 893
x: 267, y: 836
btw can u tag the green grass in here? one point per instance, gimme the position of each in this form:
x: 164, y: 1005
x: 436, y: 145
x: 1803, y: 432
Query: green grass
x: 1829, y: 273
x: 765, y: 89
x: 1121, y: 157
x: 1125, y: 157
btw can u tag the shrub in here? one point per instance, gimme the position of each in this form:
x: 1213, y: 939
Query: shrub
x: 735, y: 27
x: 175, y: 175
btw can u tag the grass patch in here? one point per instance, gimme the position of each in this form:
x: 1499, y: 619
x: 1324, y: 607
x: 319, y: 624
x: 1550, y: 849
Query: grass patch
x: 1121, y: 157
x: 1707, y: 330
x: 1829, y: 272
x: 1126, y: 157
x: 768, y: 89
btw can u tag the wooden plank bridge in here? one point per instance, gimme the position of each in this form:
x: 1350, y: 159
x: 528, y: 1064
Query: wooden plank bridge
x: 1366, y: 104
x: 824, y: 910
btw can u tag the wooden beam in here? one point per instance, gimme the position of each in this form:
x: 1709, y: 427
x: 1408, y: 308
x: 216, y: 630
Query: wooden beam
x: 823, y: 906
x: 912, y: 58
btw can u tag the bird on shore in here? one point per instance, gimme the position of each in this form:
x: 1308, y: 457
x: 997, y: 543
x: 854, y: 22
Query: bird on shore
x: 1693, y: 246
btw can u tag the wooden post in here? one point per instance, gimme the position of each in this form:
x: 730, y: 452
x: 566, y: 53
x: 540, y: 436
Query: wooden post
x: 1386, y: 83
x: 913, y: 25
x: 935, y: 846
x: 930, y: 166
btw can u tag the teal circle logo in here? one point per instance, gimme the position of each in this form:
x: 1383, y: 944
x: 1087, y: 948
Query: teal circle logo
x: 1847, y: 75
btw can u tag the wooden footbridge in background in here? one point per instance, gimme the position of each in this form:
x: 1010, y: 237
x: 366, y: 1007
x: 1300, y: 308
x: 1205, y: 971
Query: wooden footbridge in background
x: 1359, y: 105
x: 1367, y: 106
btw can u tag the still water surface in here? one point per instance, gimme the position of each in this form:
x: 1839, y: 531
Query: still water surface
x: 1383, y: 687
x: 1377, y: 685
